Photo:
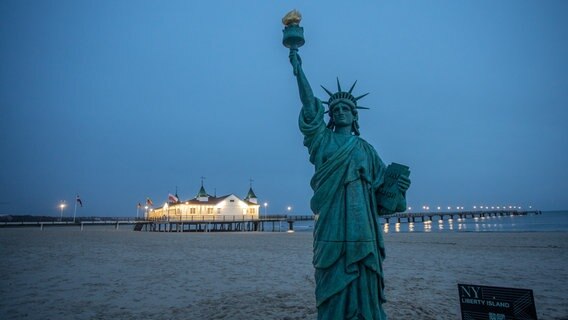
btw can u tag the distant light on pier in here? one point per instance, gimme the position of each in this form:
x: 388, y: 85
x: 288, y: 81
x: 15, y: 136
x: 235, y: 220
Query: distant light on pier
x: 62, y: 206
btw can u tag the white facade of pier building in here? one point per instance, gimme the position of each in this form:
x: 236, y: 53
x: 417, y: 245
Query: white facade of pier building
x: 207, y: 207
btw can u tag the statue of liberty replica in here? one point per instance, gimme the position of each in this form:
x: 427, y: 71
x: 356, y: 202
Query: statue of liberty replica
x: 352, y: 188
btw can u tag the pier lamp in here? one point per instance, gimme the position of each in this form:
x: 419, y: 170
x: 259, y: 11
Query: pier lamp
x: 265, y: 208
x: 289, y: 209
x: 62, y: 206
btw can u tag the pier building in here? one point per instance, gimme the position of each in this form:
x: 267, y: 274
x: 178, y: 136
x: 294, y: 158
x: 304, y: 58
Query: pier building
x: 208, y: 207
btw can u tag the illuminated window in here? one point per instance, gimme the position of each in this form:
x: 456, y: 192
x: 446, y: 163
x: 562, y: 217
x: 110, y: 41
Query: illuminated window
x: 218, y: 210
x: 209, y: 210
x: 192, y: 210
x: 251, y: 211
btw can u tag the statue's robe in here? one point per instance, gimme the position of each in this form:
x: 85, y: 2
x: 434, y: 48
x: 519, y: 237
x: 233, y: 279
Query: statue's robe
x: 348, y: 244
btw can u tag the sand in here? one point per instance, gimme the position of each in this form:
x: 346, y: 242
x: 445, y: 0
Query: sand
x: 101, y: 273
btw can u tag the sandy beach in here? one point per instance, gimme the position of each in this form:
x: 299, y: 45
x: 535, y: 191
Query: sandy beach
x: 102, y: 273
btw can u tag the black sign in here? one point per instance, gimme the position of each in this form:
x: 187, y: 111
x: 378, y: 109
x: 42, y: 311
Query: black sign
x: 495, y: 303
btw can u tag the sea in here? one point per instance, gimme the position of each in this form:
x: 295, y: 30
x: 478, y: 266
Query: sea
x: 548, y: 221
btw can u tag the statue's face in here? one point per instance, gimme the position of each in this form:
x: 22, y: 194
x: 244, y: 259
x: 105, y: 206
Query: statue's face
x: 342, y: 115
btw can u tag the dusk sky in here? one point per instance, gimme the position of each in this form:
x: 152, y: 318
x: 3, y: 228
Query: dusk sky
x: 121, y: 100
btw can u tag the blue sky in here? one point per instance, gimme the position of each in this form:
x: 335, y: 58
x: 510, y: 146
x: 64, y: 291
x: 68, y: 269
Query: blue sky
x: 122, y: 100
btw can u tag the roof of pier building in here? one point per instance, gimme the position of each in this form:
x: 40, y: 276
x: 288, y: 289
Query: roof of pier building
x: 204, y: 198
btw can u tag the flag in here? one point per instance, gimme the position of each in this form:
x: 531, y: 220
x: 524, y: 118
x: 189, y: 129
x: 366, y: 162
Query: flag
x: 149, y: 202
x: 79, y: 201
x: 172, y: 198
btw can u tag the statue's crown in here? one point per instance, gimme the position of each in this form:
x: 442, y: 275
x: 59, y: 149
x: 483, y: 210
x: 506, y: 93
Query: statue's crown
x: 344, y: 96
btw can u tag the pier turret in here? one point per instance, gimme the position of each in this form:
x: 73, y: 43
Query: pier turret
x: 251, y: 197
x: 202, y: 195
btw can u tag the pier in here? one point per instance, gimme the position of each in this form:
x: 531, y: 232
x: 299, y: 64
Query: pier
x: 446, y: 215
x: 271, y: 223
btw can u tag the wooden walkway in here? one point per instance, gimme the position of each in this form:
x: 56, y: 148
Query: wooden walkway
x: 201, y: 224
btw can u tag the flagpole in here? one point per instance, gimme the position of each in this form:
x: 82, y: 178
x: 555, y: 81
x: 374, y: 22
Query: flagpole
x: 75, y: 212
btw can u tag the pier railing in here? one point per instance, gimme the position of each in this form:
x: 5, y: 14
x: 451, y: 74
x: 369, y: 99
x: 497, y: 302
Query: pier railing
x: 232, y: 218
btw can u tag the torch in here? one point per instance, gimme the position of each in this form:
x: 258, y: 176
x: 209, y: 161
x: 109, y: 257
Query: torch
x: 293, y: 33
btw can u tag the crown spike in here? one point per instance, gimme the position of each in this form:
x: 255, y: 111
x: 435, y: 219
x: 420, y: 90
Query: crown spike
x: 361, y: 96
x: 338, y: 85
x: 359, y: 107
x: 353, y: 86
x: 328, y: 92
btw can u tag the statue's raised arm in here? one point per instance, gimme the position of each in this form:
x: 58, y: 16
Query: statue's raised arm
x: 293, y: 39
x: 306, y: 93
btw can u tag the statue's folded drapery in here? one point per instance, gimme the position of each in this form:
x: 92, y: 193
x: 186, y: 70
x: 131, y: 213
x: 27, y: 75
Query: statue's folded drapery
x: 348, y: 244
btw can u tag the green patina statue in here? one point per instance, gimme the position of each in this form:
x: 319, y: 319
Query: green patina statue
x: 352, y: 188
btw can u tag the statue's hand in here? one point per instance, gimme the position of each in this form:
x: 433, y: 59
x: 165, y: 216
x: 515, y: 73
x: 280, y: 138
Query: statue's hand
x: 403, y: 183
x: 295, y: 60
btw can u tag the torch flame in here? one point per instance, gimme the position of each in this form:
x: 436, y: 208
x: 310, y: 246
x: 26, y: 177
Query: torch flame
x: 292, y: 18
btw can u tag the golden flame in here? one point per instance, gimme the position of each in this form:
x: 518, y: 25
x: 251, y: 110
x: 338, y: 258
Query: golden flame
x: 292, y: 17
